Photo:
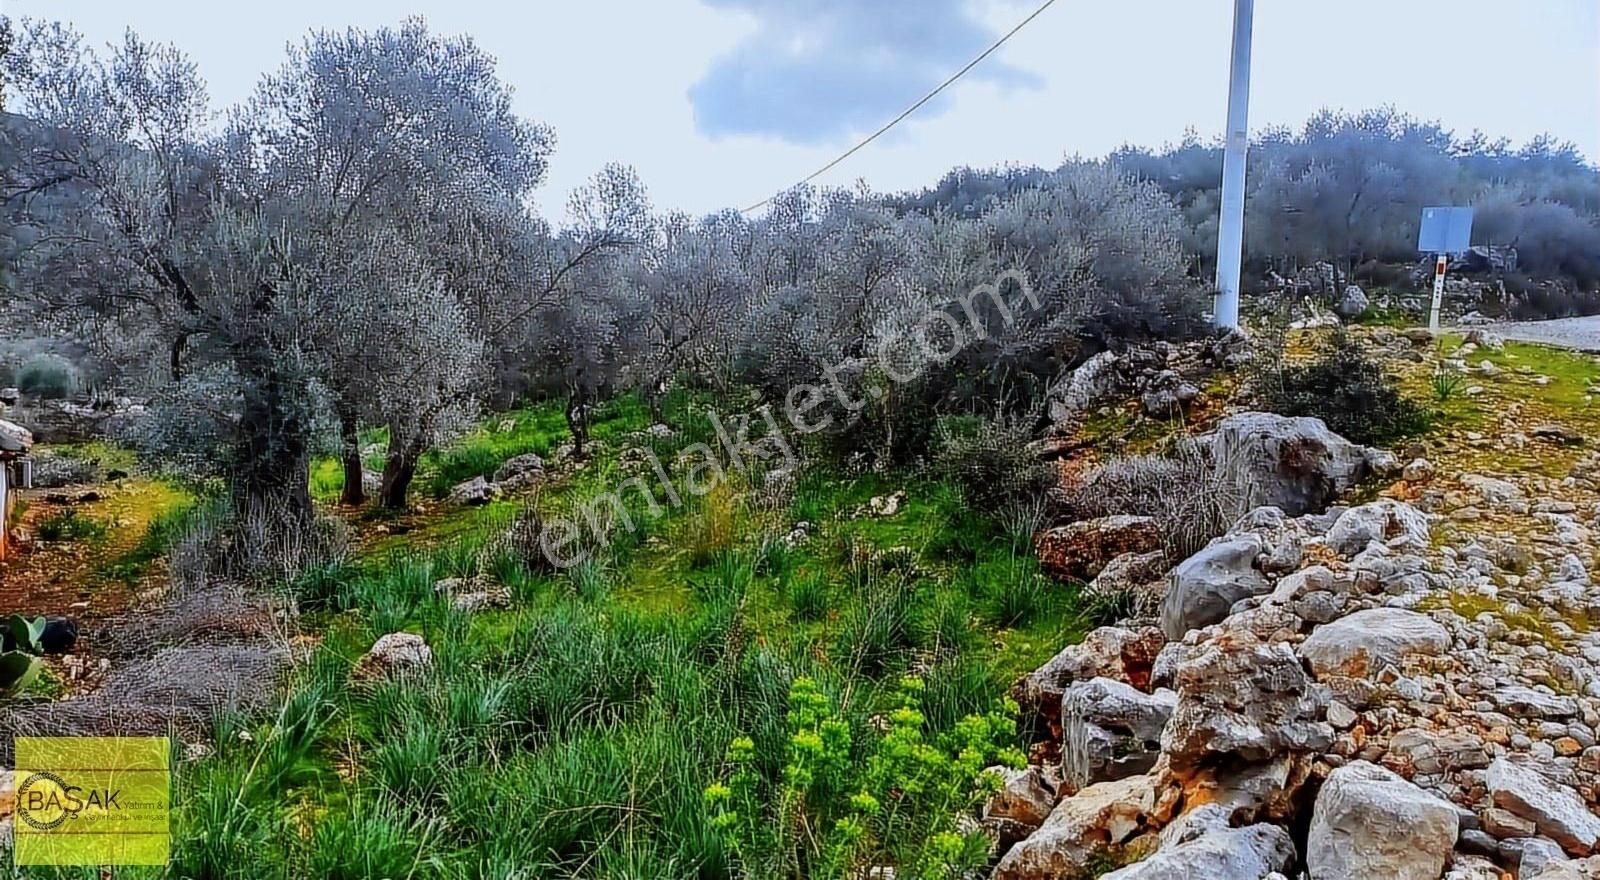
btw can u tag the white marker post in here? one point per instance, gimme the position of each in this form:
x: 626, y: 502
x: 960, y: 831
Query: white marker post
x: 1438, y: 292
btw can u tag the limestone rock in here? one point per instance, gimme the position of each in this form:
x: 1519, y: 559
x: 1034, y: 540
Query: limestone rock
x: 1370, y: 824
x: 1296, y: 464
x: 1362, y: 643
x: 1110, y: 730
x: 1557, y: 811
x: 1081, y: 550
x: 1250, y: 853
x: 1080, y: 830
x: 1204, y: 587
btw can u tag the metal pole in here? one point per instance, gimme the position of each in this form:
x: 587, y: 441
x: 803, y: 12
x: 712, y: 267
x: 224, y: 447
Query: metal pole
x: 1438, y: 292
x: 1230, y: 228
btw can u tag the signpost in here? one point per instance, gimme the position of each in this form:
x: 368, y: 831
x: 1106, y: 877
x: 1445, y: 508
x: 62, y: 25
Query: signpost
x: 1444, y: 231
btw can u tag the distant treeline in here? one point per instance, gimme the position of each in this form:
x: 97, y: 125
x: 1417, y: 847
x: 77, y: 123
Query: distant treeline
x: 1348, y: 188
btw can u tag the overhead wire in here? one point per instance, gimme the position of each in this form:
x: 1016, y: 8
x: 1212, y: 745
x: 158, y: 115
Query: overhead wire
x: 913, y: 108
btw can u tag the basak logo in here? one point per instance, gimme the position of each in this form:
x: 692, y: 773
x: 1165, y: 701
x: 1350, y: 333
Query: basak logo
x: 45, y: 800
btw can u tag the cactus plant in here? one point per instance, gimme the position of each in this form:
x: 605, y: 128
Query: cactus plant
x: 17, y: 671
x: 22, y: 634
x: 20, y: 664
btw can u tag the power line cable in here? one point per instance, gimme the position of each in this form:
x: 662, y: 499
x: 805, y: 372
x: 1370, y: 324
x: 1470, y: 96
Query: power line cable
x: 913, y: 108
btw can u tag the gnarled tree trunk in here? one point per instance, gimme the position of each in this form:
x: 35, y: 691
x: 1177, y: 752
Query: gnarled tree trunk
x: 354, y: 493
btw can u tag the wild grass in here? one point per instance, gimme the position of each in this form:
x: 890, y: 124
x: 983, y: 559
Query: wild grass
x: 576, y: 732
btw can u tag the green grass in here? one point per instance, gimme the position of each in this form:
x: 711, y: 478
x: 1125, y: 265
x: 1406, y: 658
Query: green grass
x: 574, y: 733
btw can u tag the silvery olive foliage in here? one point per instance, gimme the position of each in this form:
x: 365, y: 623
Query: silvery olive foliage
x: 353, y: 248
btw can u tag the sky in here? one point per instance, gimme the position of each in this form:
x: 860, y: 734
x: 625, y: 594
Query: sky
x: 720, y: 103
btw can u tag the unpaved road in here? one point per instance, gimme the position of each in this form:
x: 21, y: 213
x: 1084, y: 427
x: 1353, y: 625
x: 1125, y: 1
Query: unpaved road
x: 1582, y: 334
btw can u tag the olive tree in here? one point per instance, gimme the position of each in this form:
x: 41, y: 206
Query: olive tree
x: 124, y: 210
x: 397, y: 146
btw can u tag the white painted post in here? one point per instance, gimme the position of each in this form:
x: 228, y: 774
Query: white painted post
x: 1438, y: 292
x: 1230, y: 227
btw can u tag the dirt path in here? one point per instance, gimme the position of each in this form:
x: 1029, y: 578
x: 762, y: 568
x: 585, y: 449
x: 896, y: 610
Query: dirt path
x: 93, y: 570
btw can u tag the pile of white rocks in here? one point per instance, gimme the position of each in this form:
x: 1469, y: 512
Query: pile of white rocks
x: 1340, y: 694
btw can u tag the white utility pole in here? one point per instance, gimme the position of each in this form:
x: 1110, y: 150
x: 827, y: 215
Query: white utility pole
x: 1230, y: 228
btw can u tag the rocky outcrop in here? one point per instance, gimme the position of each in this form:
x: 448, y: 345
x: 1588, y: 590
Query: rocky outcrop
x: 1369, y: 824
x: 1295, y: 464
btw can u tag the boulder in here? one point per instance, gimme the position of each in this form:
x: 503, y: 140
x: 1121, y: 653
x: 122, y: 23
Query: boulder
x: 1023, y: 802
x: 1081, y: 550
x: 1241, y: 700
x: 14, y: 438
x: 1205, y: 586
x: 519, y: 471
x: 1370, y: 824
x: 1293, y: 463
x: 1110, y: 730
x: 1352, y: 303
x: 1381, y: 521
x: 1556, y: 810
x: 1361, y: 644
x: 397, y: 653
x: 474, y: 492
x: 1251, y: 853
x: 1125, y: 655
x: 1081, y: 830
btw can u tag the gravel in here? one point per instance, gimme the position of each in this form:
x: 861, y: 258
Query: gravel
x: 1582, y: 334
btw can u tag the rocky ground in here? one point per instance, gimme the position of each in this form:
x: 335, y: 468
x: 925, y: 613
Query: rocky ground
x: 1407, y: 687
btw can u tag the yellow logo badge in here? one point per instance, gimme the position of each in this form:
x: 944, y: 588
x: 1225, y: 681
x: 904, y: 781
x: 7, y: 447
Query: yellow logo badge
x: 93, y: 800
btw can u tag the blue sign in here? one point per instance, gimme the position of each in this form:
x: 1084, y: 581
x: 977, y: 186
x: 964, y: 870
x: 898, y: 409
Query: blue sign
x: 1445, y: 231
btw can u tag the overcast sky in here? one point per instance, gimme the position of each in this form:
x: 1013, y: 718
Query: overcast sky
x: 721, y: 102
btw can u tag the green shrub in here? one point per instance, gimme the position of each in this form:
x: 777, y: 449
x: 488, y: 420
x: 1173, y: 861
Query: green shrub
x: 991, y: 461
x: 1349, y: 391
x: 839, y: 804
x: 70, y: 525
x: 48, y: 377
